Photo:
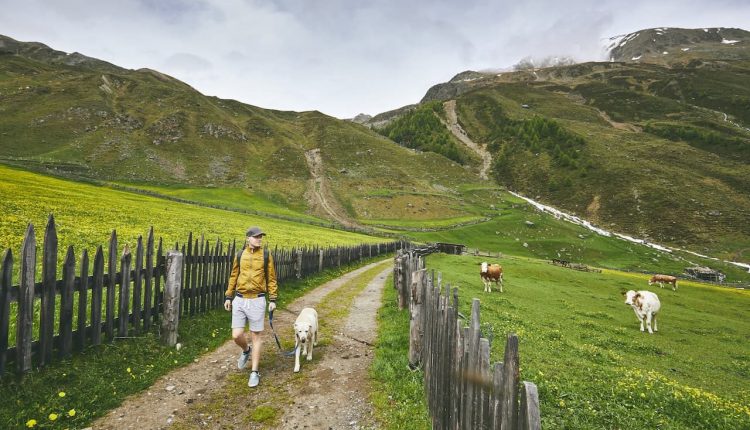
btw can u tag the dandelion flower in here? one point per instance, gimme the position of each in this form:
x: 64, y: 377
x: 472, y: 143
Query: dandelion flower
x: 72, y: 413
x: 129, y: 370
x: 61, y: 394
x: 52, y: 417
x: 31, y: 423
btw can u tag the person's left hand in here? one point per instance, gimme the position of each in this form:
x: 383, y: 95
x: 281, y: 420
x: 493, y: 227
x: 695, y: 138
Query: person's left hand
x: 271, y: 307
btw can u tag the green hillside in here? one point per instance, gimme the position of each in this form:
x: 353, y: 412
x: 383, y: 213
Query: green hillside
x: 84, y: 118
x: 657, y: 148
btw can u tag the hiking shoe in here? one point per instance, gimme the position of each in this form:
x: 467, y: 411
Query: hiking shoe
x: 254, y: 379
x: 242, y: 361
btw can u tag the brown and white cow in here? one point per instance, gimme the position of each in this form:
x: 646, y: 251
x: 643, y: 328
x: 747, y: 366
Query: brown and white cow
x: 662, y: 279
x: 646, y: 305
x: 491, y: 273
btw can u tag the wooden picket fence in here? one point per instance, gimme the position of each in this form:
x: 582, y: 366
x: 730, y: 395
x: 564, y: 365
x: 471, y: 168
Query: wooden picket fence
x: 463, y: 390
x: 94, y: 306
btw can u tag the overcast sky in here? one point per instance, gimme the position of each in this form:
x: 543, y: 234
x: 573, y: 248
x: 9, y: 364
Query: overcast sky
x: 341, y: 57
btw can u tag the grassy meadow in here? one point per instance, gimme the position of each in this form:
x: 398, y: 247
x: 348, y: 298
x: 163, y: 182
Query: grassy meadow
x: 594, y: 369
x: 86, y: 214
x: 509, y: 233
x: 230, y: 198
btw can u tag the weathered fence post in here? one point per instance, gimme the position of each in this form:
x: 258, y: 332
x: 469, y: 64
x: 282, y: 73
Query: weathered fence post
x: 49, y: 281
x: 172, y: 287
x: 509, y: 412
x: 298, y: 263
x: 6, y: 277
x: 124, y: 304
x: 530, y: 418
x: 109, y: 325
x: 66, y: 305
x: 417, y: 315
x: 320, y: 260
x: 25, y: 316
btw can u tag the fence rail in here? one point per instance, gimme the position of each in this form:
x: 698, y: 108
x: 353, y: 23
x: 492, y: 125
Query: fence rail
x: 88, y: 307
x: 463, y: 390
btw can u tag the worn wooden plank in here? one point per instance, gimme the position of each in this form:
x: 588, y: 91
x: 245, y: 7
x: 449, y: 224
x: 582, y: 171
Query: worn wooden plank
x: 83, y: 287
x: 160, y: 264
x: 457, y: 376
x: 530, y: 418
x: 204, y: 296
x: 170, y: 322
x: 509, y: 413
x: 199, y: 274
x: 472, y: 368
x: 96, y: 297
x: 450, y: 356
x: 124, y: 299
x: 25, y: 315
x: 443, y: 361
x: 497, y: 395
x: 6, y: 277
x: 109, y: 322
x: 66, y: 304
x: 194, y: 276
x: 49, y: 281
x: 148, y: 281
x: 216, y: 285
x: 188, y: 266
x: 486, y: 383
x: 416, y: 335
x: 464, y: 404
x: 137, y: 285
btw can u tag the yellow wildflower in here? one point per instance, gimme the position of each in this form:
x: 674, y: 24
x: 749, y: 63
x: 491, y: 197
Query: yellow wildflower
x: 52, y: 417
x: 61, y: 394
x: 72, y: 413
x: 31, y: 423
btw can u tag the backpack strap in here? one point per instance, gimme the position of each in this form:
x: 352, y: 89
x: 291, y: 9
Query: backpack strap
x: 265, y: 266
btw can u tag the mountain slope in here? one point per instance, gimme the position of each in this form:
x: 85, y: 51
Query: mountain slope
x: 657, y: 147
x: 75, y: 115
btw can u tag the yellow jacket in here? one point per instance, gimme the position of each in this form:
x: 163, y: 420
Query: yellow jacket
x: 247, y: 277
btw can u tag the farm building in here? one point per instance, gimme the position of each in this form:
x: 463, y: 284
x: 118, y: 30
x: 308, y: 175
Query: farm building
x: 450, y: 248
x: 705, y: 274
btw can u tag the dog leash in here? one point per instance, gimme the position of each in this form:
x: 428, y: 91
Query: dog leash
x: 278, y: 343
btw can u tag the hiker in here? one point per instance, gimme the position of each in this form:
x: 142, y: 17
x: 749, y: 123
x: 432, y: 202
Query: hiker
x: 251, y: 284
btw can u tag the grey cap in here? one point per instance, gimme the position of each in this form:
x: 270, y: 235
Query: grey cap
x: 254, y: 231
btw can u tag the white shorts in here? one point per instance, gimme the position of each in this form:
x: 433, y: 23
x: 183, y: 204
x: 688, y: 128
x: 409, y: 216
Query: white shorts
x: 252, y: 310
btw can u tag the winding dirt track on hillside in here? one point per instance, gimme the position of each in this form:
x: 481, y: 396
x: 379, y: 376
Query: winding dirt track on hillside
x: 318, y: 193
x: 619, y: 125
x: 460, y: 133
x: 331, y: 392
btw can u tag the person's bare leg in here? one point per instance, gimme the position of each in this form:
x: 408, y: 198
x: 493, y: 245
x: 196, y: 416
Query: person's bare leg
x: 257, y: 340
x: 238, y: 334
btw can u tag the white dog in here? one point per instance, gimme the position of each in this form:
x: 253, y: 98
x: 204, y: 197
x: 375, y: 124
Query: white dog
x: 306, y: 334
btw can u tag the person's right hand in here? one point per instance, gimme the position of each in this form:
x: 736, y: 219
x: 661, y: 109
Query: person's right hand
x: 227, y: 305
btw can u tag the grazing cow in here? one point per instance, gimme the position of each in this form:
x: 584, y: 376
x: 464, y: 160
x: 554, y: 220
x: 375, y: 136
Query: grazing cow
x: 491, y: 273
x: 661, y: 279
x: 646, y: 305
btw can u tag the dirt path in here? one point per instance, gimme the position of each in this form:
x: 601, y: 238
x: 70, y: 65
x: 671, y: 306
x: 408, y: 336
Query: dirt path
x: 329, y: 392
x: 318, y: 195
x: 460, y: 133
x: 619, y: 125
